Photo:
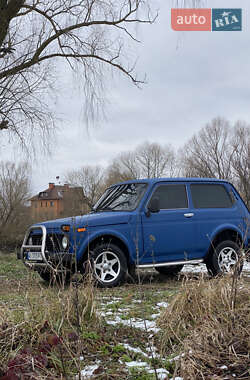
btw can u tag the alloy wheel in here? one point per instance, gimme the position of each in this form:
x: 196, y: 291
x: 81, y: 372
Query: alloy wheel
x: 107, y: 266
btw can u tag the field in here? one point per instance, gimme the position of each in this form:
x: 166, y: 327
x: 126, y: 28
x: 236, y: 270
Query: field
x: 83, y: 332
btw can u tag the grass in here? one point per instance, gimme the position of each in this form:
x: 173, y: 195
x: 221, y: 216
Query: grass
x: 53, y: 333
x: 46, y: 323
x: 209, y: 321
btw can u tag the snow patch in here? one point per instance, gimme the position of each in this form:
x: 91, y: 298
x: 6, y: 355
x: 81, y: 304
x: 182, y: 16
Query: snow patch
x: 162, y: 373
x: 115, y: 300
x: 136, y: 364
x: 201, y: 268
x: 152, y: 351
x: 246, y: 267
x: 135, y: 323
x: 88, y: 371
x: 223, y: 367
x: 154, y: 316
x: 133, y: 349
x: 162, y: 304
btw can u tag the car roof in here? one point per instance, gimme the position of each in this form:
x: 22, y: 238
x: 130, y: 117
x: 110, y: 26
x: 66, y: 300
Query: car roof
x: 170, y: 179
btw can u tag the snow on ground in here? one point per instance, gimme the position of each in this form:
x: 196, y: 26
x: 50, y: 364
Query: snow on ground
x: 162, y: 373
x: 246, y: 268
x: 88, y: 372
x: 201, y: 268
x: 162, y: 304
x: 135, y: 323
x: 116, y: 317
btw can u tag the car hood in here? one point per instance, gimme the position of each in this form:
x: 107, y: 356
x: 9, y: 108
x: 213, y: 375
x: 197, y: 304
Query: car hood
x: 91, y: 220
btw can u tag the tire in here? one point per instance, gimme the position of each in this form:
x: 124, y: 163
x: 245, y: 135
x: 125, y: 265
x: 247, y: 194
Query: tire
x: 170, y: 271
x: 224, y: 258
x: 51, y: 278
x: 108, y: 265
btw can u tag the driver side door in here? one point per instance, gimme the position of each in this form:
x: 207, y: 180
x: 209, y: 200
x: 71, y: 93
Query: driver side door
x: 168, y: 235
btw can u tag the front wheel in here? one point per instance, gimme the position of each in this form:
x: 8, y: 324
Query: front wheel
x: 225, y: 258
x: 109, y: 265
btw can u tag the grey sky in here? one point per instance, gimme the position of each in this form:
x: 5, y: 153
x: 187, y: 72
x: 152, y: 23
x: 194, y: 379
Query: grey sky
x: 191, y: 78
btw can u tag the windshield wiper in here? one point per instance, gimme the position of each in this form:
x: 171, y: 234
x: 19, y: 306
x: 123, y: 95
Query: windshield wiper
x: 111, y: 197
x: 102, y: 209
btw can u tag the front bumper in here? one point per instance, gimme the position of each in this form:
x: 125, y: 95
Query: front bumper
x: 37, y: 256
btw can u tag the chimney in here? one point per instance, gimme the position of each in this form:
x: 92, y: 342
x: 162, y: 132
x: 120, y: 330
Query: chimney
x: 51, y: 185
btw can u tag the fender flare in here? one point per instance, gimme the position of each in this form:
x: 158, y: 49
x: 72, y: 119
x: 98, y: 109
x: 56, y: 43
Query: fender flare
x: 98, y: 234
x: 220, y: 229
x: 225, y: 227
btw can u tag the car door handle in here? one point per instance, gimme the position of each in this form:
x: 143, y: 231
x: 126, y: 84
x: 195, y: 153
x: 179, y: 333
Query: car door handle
x: 189, y: 215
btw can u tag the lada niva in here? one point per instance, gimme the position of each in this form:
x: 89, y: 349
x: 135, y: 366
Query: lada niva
x: 161, y: 223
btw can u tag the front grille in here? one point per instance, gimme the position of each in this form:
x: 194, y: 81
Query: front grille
x: 36, y: 239
x: 53, y: 242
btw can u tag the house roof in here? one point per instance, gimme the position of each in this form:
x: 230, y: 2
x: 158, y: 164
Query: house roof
x: 56, y: 192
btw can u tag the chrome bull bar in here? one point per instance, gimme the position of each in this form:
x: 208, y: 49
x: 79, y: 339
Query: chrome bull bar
x: 40, y: 248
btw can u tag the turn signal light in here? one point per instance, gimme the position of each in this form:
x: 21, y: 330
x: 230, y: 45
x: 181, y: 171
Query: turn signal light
x: 65, y: 228
x: 81, y: 229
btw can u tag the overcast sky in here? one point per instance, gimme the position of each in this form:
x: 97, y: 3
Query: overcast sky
x: 192, y: 77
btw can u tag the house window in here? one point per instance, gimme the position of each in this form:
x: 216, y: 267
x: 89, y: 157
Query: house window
x: 51, y: 204
x: 43, y: 194
x: 41, y: 204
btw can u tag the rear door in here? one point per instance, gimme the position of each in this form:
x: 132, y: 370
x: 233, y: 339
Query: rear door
x: 213, y: 207
x: 169, y: 234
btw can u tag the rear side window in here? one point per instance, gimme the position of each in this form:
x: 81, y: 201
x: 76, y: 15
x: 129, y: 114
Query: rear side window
x: 210, y: 196
x: 171, y: 196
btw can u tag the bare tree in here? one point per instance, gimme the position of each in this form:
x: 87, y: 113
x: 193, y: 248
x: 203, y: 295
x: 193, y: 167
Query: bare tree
x: 240, y: 143
x: 14, y: 192
x: 220, y: 150
x: 155, y: 160
x: 34, y: 35
x: 189, y: 3
x: 208, y: 154
x: 116, y: 173
x: 90, y: 179
x: 148, y: 160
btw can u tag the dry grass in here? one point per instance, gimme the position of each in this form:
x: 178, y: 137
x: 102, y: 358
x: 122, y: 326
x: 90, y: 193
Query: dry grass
x: 43, y: 337
x: 209, y: 322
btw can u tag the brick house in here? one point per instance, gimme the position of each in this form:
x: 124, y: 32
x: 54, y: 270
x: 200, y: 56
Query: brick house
x: 57, y: 202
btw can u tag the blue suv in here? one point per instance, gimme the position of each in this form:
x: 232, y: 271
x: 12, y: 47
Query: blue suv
x: 161, y: 223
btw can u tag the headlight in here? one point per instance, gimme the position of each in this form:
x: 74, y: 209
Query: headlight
x: 65, y: 242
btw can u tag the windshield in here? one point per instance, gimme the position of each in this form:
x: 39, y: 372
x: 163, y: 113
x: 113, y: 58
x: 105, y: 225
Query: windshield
x: 121, y: 197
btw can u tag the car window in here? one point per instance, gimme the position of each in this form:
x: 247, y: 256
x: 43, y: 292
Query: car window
x: 171, y: 196
x: 121, y: 197
x: 210, y: 196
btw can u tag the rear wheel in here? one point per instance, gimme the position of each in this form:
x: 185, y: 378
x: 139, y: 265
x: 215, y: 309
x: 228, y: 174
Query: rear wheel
x: 225, y: 258
x: 171, y: 270
x: 109, y: 265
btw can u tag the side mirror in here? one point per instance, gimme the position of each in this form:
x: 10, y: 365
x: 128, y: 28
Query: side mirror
x: 154, y: 205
